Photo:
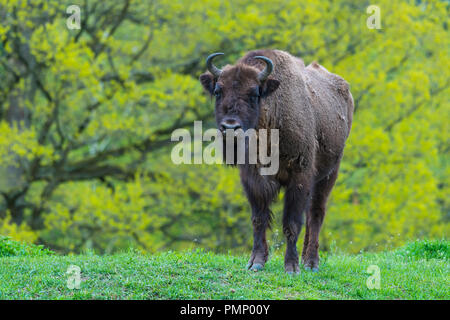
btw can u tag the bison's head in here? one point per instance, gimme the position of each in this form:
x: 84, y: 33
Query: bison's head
x: 238, y: 90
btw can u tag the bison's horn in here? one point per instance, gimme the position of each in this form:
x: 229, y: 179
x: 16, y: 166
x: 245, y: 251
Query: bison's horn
x: 267, y: 70
x: 212, y: 68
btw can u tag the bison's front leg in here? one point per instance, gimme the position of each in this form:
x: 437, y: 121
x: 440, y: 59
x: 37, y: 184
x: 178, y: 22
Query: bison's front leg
x: 296, y: 200
x: 260, y: 252
x: 260, y: 190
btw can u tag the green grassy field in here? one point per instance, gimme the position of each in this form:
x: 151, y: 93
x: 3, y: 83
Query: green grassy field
x: 417, y: 271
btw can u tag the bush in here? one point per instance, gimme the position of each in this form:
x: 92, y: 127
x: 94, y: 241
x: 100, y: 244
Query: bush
x: 11, y: 248
x: 427, y: 249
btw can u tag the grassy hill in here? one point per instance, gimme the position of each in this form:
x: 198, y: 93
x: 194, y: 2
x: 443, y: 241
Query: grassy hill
x: 419, y: 270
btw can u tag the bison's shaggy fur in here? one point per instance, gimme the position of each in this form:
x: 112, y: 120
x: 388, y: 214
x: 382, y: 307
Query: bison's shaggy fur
x: 313, y: 109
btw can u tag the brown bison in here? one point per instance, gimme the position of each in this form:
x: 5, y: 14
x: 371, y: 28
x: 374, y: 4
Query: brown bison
x: 312, y: 109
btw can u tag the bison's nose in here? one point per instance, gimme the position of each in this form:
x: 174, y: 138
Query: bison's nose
x: 229, y: 124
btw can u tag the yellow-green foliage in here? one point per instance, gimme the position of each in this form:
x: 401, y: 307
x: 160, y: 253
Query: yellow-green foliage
x: 86, y: 117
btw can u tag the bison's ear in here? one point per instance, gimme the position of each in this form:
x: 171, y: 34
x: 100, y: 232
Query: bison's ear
x: 269, y: 86
x: 207, y: 81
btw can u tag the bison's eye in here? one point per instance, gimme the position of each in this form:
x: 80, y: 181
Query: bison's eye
x: 217, y: 91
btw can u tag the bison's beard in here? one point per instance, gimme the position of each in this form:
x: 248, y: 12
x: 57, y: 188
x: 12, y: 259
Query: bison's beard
x: 236, y: 150
x: 228, y: 150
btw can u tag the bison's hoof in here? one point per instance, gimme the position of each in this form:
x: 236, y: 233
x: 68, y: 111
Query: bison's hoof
x: 292, y: 268
x: 255, y: 267
x: 311, y: 264
x: 313, y: 269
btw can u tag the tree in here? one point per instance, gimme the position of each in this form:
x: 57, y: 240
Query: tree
x: 86, y: 117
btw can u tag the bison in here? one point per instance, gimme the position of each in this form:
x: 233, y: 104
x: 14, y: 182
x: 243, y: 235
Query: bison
x: 313, y: 110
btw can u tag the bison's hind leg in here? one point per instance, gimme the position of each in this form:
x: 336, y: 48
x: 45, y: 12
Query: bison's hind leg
x: 314, y: 220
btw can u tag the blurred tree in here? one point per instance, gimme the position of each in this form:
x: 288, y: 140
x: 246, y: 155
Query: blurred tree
x: 86, y: 117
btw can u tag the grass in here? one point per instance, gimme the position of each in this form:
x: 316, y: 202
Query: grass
x: 419, y: 270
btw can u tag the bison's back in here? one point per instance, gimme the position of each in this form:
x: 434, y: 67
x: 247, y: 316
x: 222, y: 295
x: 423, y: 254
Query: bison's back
x: 312, y: 108
x: 332, y: 104
x: 330, y: 97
